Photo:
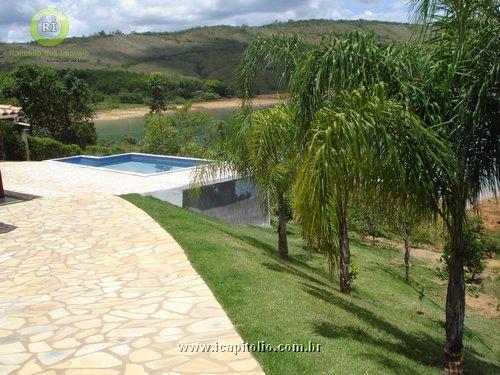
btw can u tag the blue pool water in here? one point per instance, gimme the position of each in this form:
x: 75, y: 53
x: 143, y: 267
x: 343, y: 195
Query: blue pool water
x: 136, y: 163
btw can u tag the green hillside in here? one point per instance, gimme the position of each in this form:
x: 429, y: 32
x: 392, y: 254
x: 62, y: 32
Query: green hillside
x: 202, y: 52
x: 382, y: 329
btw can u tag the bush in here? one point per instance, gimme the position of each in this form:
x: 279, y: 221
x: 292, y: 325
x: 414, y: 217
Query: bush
x: 475, y: 251
x: 160, y: 136
x: 42, y: 148
x: 202, y: 95
x: 491, y: 242
x: 14, y: 148
x: 217, y: 87
x: 13, y: 145
x: 130, y: 97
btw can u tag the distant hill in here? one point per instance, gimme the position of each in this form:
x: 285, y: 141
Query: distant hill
x: 201, y: 52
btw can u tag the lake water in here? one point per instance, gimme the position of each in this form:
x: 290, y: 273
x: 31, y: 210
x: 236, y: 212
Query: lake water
x: 134, y: 126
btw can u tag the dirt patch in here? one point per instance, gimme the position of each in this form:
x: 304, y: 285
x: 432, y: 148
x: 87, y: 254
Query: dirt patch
x: 118, y: 114
x: 485, y: 304
x: 426, y: 253
x: 489, y: 209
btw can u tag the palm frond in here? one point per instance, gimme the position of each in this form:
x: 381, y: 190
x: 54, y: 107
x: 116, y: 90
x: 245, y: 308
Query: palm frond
x: 279, y: 52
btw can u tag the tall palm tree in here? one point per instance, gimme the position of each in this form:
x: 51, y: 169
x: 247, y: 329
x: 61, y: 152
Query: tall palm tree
x: 461, y: 92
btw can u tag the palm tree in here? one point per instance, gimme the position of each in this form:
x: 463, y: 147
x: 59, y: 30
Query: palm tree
x: 316, y: 76
x: 450, y: 82
x: 278, y: 51
x: 261, y: 147
x: 363, y: 142
x: 461, y: 93
x: 273, y: 156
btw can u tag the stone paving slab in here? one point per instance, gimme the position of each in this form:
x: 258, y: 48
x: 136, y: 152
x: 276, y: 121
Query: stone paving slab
x: 90, y: 284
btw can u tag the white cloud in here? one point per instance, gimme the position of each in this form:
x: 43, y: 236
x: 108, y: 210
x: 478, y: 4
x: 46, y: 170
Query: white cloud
x: 89, y: 16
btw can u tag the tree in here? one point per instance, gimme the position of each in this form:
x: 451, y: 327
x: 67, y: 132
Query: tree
x: 260, y: 146
x: 405, y: 224
x: 366, y: 218
x: 366, y: 143
x: 449, y: 83
x: 157, y: 83
x: 474, y: 252
x: 321, y: 77
x: 198, y: 132
x: 160, y: 135
x: 460, y: 94
x: 185, y: 132
x: 58, y: 104
x: 273, y: 158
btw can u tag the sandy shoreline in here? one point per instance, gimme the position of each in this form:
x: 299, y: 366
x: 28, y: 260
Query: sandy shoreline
x: 119, y: 113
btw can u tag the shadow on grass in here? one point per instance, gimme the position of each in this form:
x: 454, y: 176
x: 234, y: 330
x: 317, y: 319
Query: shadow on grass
x: 420, y: 348
x: 272, y: 251
x: 287, y: 268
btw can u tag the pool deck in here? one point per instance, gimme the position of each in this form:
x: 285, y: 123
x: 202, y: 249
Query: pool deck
x: 90, y: 284
x: 54, y: 179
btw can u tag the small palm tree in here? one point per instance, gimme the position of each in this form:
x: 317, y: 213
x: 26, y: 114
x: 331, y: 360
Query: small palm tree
x: 261, y: 147
x: 324, y: 75
x: 363, y: 143
x: 273, y: 156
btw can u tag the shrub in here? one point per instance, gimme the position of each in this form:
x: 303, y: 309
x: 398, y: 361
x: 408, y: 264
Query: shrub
x: 42, y: 148
x: 217, y: 87
x: 160, y: 136
x: 475, y: 251
x: 491, y: 242
x: 130, y: 97
x: 202, y: 95
x: 13, y: 146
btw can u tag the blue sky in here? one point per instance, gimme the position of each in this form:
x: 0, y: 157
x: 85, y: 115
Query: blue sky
x: 88, y: 16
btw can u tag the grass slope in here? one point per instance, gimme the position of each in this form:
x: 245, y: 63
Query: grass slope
x: 202, y: 52
x: 378, y: 330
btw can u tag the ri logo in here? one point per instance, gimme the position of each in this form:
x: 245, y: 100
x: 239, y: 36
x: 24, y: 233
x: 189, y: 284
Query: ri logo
x: 49, y: 27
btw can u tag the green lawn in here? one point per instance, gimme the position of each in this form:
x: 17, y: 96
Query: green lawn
x: 378, y: 330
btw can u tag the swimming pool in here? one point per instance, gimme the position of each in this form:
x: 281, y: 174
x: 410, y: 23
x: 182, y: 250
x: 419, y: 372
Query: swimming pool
x: 134, y: 163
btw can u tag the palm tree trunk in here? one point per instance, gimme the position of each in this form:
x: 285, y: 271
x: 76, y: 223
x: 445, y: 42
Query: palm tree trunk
x: 2, y: 146
x: 455, y: 300
x: 282, y: 239
x: 404, y: 235
x: 345, y: 253
x: 2, y: 192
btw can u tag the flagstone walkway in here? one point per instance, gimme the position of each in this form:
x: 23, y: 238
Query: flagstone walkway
x: 90, y: 284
